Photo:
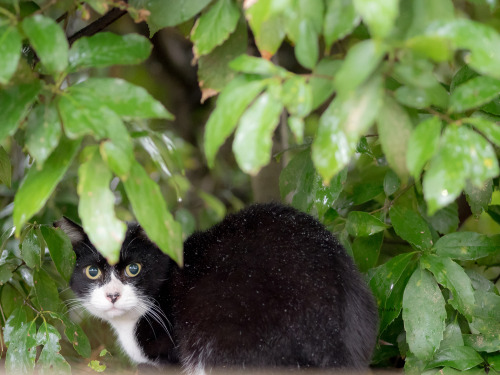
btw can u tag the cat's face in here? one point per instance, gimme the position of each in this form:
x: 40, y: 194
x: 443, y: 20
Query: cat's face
x: 125, y: 290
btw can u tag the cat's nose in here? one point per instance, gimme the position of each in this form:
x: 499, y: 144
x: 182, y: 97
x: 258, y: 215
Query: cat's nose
x: 113, y: 297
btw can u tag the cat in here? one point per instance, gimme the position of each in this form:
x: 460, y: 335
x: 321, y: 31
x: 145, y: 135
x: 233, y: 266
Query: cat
x: 268, y: 286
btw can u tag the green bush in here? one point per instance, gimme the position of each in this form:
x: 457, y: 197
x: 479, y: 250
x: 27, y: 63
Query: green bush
x: 394, y: 164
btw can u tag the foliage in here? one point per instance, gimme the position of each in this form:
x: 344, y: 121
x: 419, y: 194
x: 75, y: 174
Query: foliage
x: 411, y: 130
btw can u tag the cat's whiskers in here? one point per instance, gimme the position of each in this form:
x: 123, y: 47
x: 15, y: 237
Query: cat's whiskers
x: 156, y: 314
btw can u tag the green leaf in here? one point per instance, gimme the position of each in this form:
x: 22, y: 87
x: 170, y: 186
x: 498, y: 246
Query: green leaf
x: 124, y: 98
x: 437, y: 48
x: 39, y: 184
x: 253, y: 139
x: 483, y: 343
x: 482, y: 40
x: 465, y: 246
x: 297, y: 96
x: 49, y: 42
x: 365, y: 192
x: 487, y: 306
x: 388, y: 283
x: 452, y: 336
x: 490, y: 129
x: 361, y: 61
x: 474, y: 93
x: 46, y: 291
x: 75, y: 334
x: 267, y: 27
x: 444, y: 220
x: 391, y: 183
x: 129, y: 49
x: 459, y: 357
x: 479, y: 197
x: 378, y: 15
x: 342, y: 124
x: 394, y: 129
x: 43, y: 132
x: 171, y: 13
x: 50, y: 361
x: 82, y: 117
x: 411, y: 227
x: 424, y: 314
x: 97, y: 366
x: 231, y: 104
x: 447, y: 173
x: 306, y: 47
x: 300, y: 179
x: 96, y: 206
x: 452, y: 276
x: 366, y: 250
x: 422, y: 145
x: 151, y: 212
x: 257, y: 65
x: 214, y: 26
x: 479, y: 282
x: 427, y: 12
x: 321, y: 81
x: 31, y: 249
x: 60, y: 250
x: 361, y: 224
x: 5, y: 168
x: 20, y: 336
x: 297, y: 126
x: 10, y: 51
x: 415, y: 72
x: 14, y: 103
x: 213, y: 69
x: 340, y: 20
x: 420, y: 98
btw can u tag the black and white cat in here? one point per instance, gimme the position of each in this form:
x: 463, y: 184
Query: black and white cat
x: 266, y: 287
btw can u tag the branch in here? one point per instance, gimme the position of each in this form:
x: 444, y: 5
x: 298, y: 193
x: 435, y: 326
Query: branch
x: 98, y: 25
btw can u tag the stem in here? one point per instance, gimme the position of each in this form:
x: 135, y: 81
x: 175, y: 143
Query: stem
x: 97, y: 25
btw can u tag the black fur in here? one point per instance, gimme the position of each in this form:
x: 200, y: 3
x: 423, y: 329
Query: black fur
x: 266, y: 287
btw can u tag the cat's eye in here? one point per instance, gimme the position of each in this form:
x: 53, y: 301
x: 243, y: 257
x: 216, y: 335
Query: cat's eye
x: 133, y: 269
x: 92, y: 272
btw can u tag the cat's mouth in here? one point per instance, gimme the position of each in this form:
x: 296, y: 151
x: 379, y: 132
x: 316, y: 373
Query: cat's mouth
x: 115, y: 312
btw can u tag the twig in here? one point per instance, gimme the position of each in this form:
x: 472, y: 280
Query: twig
x: 98, y: 25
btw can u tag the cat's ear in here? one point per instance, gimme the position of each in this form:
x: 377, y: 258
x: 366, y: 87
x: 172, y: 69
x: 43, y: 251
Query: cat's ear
x: 72, y: 230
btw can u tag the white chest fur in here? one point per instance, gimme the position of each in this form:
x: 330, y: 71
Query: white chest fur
x: 125, y: 330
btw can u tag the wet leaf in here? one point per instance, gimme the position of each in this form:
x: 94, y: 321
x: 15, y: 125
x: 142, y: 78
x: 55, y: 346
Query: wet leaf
x: 479, y: 197
x: 340, y: 20
x: 388, y: 283
x: 124, y: 98
x: 96, y: 206
x: 151, y: 212
x: 50, y: 361
x: 75, y: 334
x: 5, y: 168
x: 214, y: 73
x: 171, y: 13
x: 447, y: 174
x: 391, y: 182
x: 452, y: 276
x: 361, y: 61
x: 361, y: 224
x: 129, y: 49
x: 411, y: 227
x: 257, y: 65
x: 394, y: 129
x: 43, y: 132
x: 39, y: 184
x: 424, y: 314
x: 14, y: 104
x: 20, y: 336
x: 483, y: 343
x: 490, y: 129
x: 459, y: 357
x: 231, y: 104
x: 31, y: 250
x: 342, y: 124
x: 46, y: 290
x: 465, y: 246
x: 297, y: 96
x: 253, y: 138
x: 366, y: 250
x: 49, y: 42
x: 321, y: 81
x: 214, y: 26
x: 10, y: 52
x: 474, y: 93
x: 60, y: 250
